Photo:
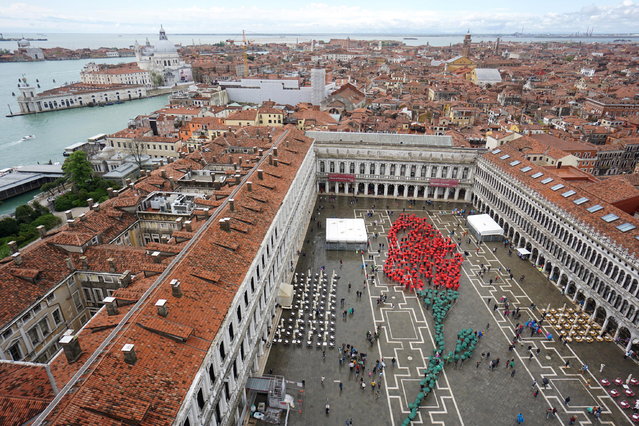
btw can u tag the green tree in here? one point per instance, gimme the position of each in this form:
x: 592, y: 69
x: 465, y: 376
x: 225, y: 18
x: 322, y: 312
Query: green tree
x: 78, y: 171
x: 157, y: 79
x: 8, y: 226
x: 25, y: 214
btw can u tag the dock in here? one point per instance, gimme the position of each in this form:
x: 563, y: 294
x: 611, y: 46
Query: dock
x: 27, y: 178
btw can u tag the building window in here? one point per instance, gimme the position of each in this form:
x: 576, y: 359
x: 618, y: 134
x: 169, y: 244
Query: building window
x: 77, y: 301
x: 413, y: 170
x: 351, y: 168
x: 433, y: 172
x: 331, y: 167
x: 445, y: 171
x: 200, y: 399
x: 239, y: 313
x: 372, y: 168
x: 44, y: 327
x: 465, y: 173
x: 402, y: 170
x: 423, y: 171
x: 231, y: 332
x: 382, y: 169
x: 362, y: 169
x: 57, y: 317
x: 15, y: 351
x: 392, y: 170
x: 222, y: 351
x: 34, y: 336
x: 322, y: 167
x: 454, y: 174
x: 342, y: 167
x: 211, y: 374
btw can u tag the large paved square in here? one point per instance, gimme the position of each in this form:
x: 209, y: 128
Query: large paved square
x: 468, y: 394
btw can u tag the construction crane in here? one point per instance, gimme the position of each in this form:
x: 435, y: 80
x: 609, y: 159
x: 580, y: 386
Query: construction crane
x: 245, y: 53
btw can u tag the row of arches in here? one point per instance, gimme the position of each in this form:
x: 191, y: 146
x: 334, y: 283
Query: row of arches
x: 400, y: 190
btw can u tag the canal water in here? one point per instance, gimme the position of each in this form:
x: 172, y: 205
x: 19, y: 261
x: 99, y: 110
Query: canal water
x: 53, y: 131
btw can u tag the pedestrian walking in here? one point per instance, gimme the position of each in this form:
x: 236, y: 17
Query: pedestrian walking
x: 512, y: 374
x: 341, y: 386
x: 572, y: 420
x: 322, y: 380
x: 536, y: 392
x: 567, y: 401
x: 534, y: 383
x: 520, y: 418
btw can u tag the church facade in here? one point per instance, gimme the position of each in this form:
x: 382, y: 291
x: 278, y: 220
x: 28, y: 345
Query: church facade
x: 163, y: 60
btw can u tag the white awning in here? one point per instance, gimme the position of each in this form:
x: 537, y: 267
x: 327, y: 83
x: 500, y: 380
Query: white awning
x: 346, y: 231
x: 484, y: 225
x: 523, y: 251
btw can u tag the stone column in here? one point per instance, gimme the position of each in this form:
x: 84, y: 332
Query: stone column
x: 385, y: 190
x: 395, y: 190
x: 457, y: 193
x: 405, y: 191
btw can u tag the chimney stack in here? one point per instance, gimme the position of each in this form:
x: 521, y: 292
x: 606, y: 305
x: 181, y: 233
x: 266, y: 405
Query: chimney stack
x: 163, y: 173
x: 275, y: 162
x: 84, y: 262
x: 260, y: 152
x: 111, y: 305
x: 187, y: 225
x: 71, y: 347
x: 260, y: 174
x: 69, y: 263
x: 254, y: 150
x: 178, y: 223
x: 129, y: 354
x: 240, y: 160
x: 42, y: 231
x: 127, y: 181
x: 235, y: 166
x: 13, y: 246
x: 71, y: 223
x: 111, y: 262
x: 125, y: 278
x: 111, y: 192
x: 249, y: 186
x: 156, y: 257
x: 96, y: 207
x: 275, y: 151
x: 238, y: 178
x: 90, y: 203
x: 232, y: 204
x: 225, y: 224
x: 176, y: 289
x: 17, y: 258
x: 172, y: 182
x: 163, y: 310
x: 270, y: 158
x: 68, y: 214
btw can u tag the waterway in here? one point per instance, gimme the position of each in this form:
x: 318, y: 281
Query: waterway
x: 56, y: 130
x: 94, y: 41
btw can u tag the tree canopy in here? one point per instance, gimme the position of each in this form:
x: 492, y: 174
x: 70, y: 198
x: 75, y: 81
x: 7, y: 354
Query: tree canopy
x: 78, y: 171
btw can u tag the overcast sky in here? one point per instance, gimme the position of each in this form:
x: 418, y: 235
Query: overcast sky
x: 298, y: 16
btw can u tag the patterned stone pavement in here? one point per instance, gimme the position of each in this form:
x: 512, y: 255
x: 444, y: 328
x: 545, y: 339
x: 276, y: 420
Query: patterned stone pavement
x: 470, y: 394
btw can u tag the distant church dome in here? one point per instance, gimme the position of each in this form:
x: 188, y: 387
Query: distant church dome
x: 164, y: 46
x: 23, y: 43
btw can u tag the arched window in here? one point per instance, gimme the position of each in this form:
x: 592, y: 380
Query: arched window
x: 331, y: 167
x: 402, y: 170
x: 362, y: 169
x: 322, y: 167
x: 382, y: 169
x: 372, y: 168
x: 342, y: 167
x: 200, y: 399
x: 392, y: 170
x: 351, y: 168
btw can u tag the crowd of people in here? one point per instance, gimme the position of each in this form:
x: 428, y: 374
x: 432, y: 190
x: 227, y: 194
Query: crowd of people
x: 418, y: 255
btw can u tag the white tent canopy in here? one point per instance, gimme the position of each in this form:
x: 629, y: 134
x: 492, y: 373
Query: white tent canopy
x: 346, y: 231
x: 484, y: 227
x: 523, y: 251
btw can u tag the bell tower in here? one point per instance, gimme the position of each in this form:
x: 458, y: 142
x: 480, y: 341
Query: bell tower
x: 466, y: 46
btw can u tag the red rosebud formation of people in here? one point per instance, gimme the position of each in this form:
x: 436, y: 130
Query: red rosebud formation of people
x: 418, y: 255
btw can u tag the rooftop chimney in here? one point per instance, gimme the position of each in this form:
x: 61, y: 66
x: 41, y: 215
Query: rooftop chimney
x: 232, y: 204
x: 90, y: 203
x: 239, y: 160
x: 238, y: 178
x: 176, y: 289
x: 129, y: 354
x: 163, y: 173
x: 42, y: 231
x: 17, y: 258
x: 275, y: 151
x: 96, y: 207
x: 13, y: 246
x: 71, y: 223
x: 187, y: 225
x: 68, y: 214
x: 172, y: 182
x: 69, y: 263
x: 111, y: 262
x: 260, y: 152
x: 82, y: 217
x: 270, y: 158
x: 111, y: 192
x: 85, y: 263
x: 178, y: 223
x: 111, y: 305
x: 225, y: 224
x: 127, y: 181
x: 260, y: 174
x: 125, y: 278
x: 235, y: 166
x: 249, y: 185
x: 71, y: 347
x: 275, y: 161
x: 254, y: 150
x: 163, y: 310
x: 156, y: 257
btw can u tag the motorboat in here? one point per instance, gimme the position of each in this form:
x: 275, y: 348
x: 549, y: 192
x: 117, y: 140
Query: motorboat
x: 27, y: 137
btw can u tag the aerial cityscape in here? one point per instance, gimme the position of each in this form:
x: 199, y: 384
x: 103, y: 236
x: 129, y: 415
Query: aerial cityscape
x: 319, y: 214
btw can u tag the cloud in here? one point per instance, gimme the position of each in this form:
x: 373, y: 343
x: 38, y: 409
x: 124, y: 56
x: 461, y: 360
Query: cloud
x: 315, y: 18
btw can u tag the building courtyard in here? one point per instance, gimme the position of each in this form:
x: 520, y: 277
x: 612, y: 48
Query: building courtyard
x: 466, y: 394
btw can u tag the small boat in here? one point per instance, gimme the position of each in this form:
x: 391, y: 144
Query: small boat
x: 410, y: 38
x: 27, y: 137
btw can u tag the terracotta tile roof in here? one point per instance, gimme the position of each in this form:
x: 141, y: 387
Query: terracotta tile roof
x: 152, y: 390
x: 70, y: 238
x: 626, y: 240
